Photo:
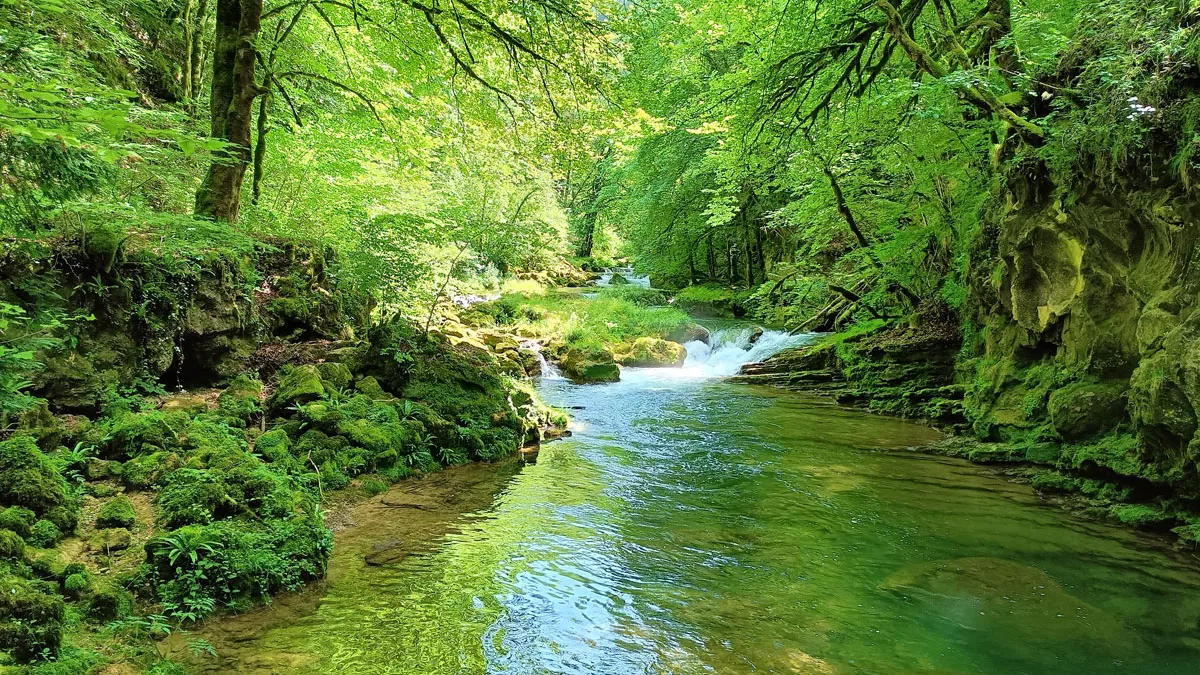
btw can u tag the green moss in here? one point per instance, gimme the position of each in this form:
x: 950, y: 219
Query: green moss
x: 108, y: 603
x: 1142, y: 515
x: 297, y: 384
x: 373, y: 486
x: 335, y: 375
x: 1049, y: 481
x: 12, y: 547
x: 31, y: 619
x: 273, y: 445
x: 242, y: 399
x: 28, y: 478
x: 75, y: 585
x: 144, y: 471
x: 118, y: 512
x: 17, y: 519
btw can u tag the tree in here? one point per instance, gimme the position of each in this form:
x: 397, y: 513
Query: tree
x: 553, y: 41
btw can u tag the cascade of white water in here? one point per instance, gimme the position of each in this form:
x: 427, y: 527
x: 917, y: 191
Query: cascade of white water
x: 548, y: 370
x: 727, y: 350
x: 626, y: 273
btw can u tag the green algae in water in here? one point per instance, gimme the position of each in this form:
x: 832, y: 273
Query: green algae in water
x: 696, y: 527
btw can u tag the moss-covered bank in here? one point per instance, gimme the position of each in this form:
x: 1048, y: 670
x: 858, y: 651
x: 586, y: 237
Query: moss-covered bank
x: 197, y: 414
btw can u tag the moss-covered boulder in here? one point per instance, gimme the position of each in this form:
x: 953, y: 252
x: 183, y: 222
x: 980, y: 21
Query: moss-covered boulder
x: 31, y: 618
x: 1085, y: 409
x: 144, y: 471
x: 335, y: 375
x: 110, y: 540
x: 298, y: 384
x: 117, y: 512
x: 29, y: 479
x: 107, y: 603
x: 12, y: 547
x: 17, y: 519
x: 590, y: 367
x: 650, y: 352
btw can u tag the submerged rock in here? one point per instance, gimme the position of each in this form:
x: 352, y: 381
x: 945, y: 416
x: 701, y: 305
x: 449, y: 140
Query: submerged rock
x: 996, y: 595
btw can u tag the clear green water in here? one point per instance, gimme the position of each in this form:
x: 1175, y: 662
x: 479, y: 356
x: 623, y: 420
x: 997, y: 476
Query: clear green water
x: 692, y: 526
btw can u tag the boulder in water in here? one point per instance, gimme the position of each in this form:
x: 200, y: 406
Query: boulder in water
x: 591, y: 367
x: 690, y: 333
x: 756, y: 334
x: 649, y: 352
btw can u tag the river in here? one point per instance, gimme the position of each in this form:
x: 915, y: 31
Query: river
x: 694, y: 526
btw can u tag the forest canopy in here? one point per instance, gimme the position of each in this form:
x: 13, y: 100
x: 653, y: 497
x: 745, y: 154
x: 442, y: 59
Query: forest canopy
x: 825, y: 156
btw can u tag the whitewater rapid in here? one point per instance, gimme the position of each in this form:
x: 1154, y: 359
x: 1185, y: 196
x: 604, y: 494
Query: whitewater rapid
x: 728, y: 349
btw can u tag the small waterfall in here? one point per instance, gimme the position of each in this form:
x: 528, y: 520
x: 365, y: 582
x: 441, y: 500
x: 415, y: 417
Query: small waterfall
x: 626, y: 273
x: 727, y: 350
x: 466, y: 301
x: 548, y: 370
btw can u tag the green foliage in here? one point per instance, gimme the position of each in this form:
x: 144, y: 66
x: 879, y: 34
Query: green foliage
x: 197, y: 568
x: 44, y: 534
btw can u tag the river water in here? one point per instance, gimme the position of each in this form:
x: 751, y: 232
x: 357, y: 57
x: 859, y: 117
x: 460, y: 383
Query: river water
x: 694, y: 526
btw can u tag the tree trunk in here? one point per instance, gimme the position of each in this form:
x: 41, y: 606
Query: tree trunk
x: 587, y: 238
x: 260, y: 144
x: 194, y: 14
x: 233, y: 94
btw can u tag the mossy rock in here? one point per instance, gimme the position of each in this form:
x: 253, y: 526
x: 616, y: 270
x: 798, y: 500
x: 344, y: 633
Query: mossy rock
x: 189, y: 404
x: 17, y: 519
x: 111, y: 539
x: 590, y: 367
x: 1082, y: 410
x: 108, y: 603
x: 651, y: 352
x: 298, y: 384
x: 142, y: 472
x: 28, y: 478
x: 369, y: 386
x: 273, y: 445
x: 12, y: 546
x: 335, y: 375
x: 31, y: 619
x: 118, y: 512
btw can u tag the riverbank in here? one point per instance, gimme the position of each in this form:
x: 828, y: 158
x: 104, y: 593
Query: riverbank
x: 191, y: 419
x: 1069, y: 436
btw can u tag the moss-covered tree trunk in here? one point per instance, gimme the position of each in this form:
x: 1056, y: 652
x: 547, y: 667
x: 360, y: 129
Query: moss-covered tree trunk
x: 233, y: 92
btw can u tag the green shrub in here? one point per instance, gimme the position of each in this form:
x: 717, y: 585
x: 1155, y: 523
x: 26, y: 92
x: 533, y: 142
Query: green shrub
x: 118, y: 512
x: 17, y: 519
x: 75, y: 585
x: 44, y: 534
x: 12, y: 547
x: 31, y: 619
x: 130, y: 434
x: 373, y: 486
x: 196, y: 568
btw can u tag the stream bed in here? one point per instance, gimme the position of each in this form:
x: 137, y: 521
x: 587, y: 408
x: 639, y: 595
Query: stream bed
x: 694, y: 526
